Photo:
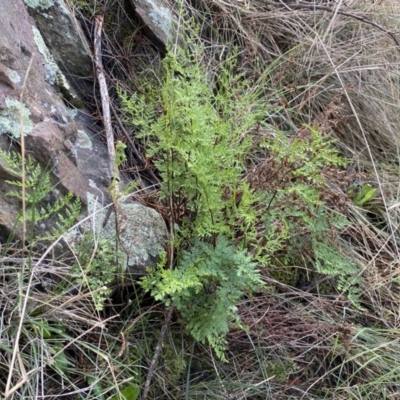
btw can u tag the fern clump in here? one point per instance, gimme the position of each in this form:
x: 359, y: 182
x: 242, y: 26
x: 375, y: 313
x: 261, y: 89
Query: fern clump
x: 195, y: 137
x: 296, y: 200
x: 205, y: 288
x: 197, y: 143
x: 199, y: 138
x: 59, y: 214
x: 199, y: 149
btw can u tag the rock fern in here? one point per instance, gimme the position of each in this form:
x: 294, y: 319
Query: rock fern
x: 46, y: 212
x: 205, y: 288
x: 199, y: 137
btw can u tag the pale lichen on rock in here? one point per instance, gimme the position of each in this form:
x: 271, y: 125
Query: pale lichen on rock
x: 82, y: 140
x: 13, y: 75
x: 44, y: 4
x: 10, y: 121
x: 54, y: 74
x: 140, y: 231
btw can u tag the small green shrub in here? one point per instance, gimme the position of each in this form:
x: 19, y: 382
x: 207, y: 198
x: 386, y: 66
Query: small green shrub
x: 198, y: 146
x: 199, y: 137
x: 196, y: 140
x: 295, y: 204
x: 205, y: 288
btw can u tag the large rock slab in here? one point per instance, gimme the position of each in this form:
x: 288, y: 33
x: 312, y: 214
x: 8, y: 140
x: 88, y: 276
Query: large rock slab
x: 62, y: 139
x: 66, y: 41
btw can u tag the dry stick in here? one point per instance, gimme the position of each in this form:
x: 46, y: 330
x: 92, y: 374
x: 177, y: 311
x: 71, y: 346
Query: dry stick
x: 156, y: 354
x: 16, y: 343
x: 105, y: 99
x: 105, y: 103
x: 355, y: 16
x: 21, y: 134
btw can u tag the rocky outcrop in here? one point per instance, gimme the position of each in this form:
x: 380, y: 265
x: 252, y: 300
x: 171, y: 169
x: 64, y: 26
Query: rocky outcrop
x: 43, y: 48
x: 67, y: 46
x: 160, y: 23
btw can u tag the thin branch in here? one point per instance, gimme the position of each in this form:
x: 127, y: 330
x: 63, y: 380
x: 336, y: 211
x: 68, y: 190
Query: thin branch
x: 105, y: 99
x: 361, y: 18
x: 156, y: 354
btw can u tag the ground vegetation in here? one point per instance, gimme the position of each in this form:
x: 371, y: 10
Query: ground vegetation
x: 270, y: 145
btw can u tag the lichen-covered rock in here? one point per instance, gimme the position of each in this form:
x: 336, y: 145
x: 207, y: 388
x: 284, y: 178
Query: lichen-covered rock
x: 68, y: 53
x: 55, y: 135
x: 160, y: 22
x: 139, y: 232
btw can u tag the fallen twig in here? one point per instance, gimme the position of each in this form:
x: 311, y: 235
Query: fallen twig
x: 156, y: 354
x: 105, y: 99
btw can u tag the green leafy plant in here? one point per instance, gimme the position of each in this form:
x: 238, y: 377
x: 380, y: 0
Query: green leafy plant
x: 205, y: 288
x: 129, y: 393
x: 361, y: 196
x: 38, y: 189
x: 199, y: 138
x: 96, y: 267
x: 197, y: 142
x: 297, y: 204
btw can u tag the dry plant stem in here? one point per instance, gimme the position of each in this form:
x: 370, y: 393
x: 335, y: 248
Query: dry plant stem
x: 105, y: 99
x: 156, y: 354
x: 336, y: 11
x: 8, y: 392
x: 21, y: 134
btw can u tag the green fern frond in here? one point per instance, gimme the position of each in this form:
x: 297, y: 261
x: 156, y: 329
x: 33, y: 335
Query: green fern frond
x: 38, y: 188
x: 205, y: 288
x: 199, y: 138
